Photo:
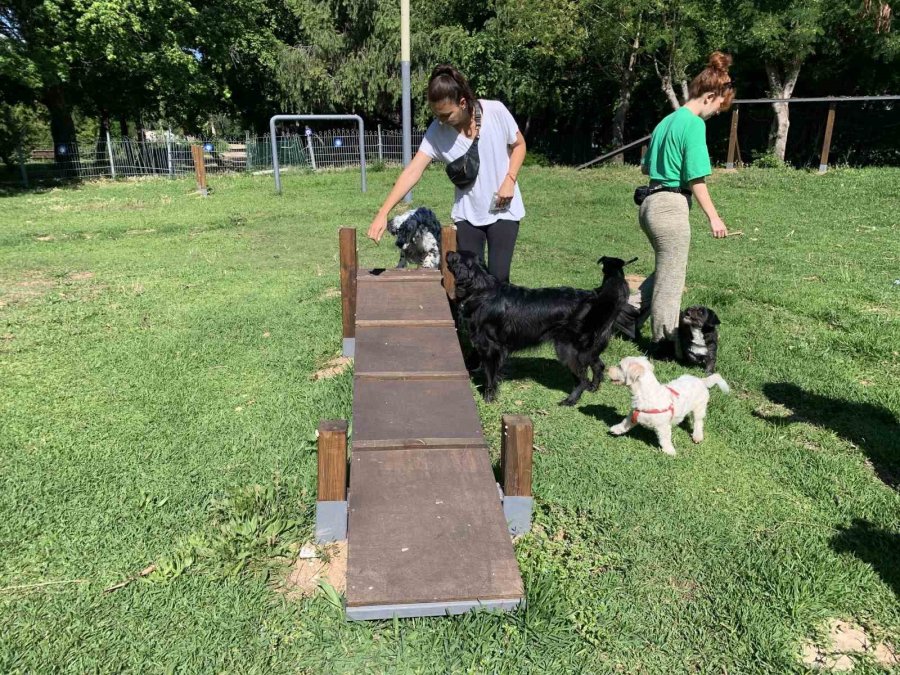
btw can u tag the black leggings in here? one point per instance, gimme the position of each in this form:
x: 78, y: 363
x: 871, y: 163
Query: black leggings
x: 501, y: 241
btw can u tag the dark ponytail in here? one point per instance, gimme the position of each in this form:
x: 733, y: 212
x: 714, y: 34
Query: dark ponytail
x: 447, y: 83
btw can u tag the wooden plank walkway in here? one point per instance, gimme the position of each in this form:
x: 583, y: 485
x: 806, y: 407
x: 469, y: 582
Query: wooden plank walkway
x: 427, y: 534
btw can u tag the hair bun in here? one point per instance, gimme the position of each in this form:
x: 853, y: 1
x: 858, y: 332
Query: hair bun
x: 444, y: 69
x: 719, y: 61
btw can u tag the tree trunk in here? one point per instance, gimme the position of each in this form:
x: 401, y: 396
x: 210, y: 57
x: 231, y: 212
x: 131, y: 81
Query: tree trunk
x: 141, y: 136
x: 667, y: 86
x: 669, y: 91
x: 130, y: 160
x: 781, y: 87
x: 623, y: 102
x: 62, y: 126
x: 101, y: 156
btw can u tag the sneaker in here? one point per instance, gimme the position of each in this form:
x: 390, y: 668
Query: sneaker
x: 626, y: 322
x: 664, y: 350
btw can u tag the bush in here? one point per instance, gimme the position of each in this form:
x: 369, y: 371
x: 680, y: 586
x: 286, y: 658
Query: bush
x: 535, y: 158
x: 767, y: 160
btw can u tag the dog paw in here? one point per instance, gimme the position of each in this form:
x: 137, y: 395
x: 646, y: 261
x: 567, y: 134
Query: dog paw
x: 670, y: 451
x: 593, y: 387
x: 568, y: 402
x: 697, y: 439
x: 617, y: 430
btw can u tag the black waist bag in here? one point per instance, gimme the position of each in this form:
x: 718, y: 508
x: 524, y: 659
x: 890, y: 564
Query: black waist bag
x: 644, y: 191
x: 463, y: 171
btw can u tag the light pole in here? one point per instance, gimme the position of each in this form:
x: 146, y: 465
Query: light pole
x: 405, y: 87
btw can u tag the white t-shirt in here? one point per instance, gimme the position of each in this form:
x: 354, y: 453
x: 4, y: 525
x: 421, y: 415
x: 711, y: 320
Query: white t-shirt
x: 498, y: 131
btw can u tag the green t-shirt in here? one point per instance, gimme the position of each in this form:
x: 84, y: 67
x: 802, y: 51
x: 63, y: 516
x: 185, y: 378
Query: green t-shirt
x: 677, y: 153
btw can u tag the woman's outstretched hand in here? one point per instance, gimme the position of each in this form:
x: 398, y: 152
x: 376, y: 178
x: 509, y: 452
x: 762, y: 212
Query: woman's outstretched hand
x: 377, y: 228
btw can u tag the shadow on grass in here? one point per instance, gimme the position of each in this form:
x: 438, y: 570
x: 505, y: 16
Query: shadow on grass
x: 548, y: 373
x: 40, y: 179
x: 869, y: 427
x: 612, y: 416
x: 874, y: 545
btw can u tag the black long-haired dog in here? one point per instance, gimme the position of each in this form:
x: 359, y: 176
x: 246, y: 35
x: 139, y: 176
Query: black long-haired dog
x: 698, y: 337
x: 502, y: 318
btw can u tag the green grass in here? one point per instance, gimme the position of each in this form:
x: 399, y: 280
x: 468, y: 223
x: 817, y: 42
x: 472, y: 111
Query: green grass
x: 156, y: 406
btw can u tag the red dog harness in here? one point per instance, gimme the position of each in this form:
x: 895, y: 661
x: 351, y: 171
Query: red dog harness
x: 670, y: 409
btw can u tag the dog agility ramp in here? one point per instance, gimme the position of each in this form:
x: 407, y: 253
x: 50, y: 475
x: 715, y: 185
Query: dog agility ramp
x: 427, y: 535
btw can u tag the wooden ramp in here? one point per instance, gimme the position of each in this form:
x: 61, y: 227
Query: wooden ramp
x: 427, y: 534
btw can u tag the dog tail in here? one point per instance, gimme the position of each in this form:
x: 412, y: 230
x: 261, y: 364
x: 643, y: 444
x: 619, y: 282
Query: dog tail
x: 716, y: 381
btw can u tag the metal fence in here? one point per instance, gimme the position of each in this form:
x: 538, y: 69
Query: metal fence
x: 162, y: 154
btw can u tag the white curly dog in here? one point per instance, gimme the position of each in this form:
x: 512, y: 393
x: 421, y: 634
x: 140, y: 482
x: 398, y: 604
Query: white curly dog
x: 660, y: 407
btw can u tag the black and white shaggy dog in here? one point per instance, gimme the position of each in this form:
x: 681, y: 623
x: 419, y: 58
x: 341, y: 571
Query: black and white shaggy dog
x: 698, y: 337
x: 418, y: 234
x: 502, y: 318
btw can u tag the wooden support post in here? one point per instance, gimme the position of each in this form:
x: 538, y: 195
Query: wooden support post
x: 331, y: 495
x: 448, y: 243
x: 826, y: 146
x: 199, y: 169
x: 516, y: 451
x: 349, y: 264
x: 643, y: 152
x: 732, y: 138
x: 332, y: 441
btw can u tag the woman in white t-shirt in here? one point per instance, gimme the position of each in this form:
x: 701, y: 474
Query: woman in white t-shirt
x: 480, y: 216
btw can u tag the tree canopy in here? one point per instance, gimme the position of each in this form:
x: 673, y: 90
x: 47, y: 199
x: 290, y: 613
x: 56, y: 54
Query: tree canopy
x: 602, y: 68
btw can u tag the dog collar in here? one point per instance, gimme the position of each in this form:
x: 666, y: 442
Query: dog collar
x: 670, y: 409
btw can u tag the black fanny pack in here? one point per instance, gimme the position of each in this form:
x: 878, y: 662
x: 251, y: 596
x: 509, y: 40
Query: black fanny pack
x: 463, y: 171
x: 644, y: 191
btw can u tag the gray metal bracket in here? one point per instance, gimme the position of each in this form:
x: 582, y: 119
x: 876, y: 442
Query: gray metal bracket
x: 331, y: 521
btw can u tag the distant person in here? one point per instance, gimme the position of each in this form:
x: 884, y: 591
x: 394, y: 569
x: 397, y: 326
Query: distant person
x: 677, y: 162
x: 481, y: 145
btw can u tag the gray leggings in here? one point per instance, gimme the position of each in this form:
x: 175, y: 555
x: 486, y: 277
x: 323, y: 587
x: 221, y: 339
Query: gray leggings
x: 664, y: 218
x: 500, y: 238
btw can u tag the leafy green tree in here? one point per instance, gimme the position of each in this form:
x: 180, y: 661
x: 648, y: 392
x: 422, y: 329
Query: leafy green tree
x: 783, y: 35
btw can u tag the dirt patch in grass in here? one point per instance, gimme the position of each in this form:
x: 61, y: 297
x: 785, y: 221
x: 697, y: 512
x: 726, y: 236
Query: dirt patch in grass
x: 333, y: 368
x: 330, y: 293
x: 326, y: 563
x: 34, y: 284
x: 841, y: 644
x: 634, y: 281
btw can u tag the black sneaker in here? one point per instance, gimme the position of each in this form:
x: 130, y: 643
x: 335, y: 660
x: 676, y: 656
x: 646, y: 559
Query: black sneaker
x: 627, y: 322
x: 664, y: 350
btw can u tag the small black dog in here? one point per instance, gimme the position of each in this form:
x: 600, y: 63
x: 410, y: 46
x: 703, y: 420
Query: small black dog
x: 582, y: 339
x: 698, y: 337
x: 502, y: 318
x: 418, y: 234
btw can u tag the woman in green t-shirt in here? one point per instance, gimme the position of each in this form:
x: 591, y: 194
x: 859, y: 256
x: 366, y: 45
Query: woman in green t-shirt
x: 678, y: 160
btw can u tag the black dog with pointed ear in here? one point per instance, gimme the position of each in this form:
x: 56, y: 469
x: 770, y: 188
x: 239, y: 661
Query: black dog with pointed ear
x: 698, y: 337
x: 502, y: 318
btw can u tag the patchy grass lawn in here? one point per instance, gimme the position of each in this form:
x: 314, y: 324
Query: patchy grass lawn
x: 157, y: 406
